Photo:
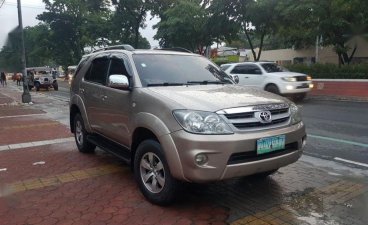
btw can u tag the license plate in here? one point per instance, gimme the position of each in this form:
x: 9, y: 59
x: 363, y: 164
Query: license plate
x: 270, y: 144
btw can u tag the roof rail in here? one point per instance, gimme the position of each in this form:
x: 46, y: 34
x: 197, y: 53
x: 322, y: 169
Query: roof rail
x: 123, y: 47
x: 176, y: 49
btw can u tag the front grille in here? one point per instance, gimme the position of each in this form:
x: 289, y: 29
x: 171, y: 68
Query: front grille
x: 301, y: 78
x: 259, y: 124
x: 303, y: 86
x: 245, y: 118
x: 243, y: 157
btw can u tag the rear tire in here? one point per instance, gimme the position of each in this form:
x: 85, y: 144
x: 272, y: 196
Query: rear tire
x: 152, y: 174
x: 273, y: 89
x: 37, y: 86
x: 80, y: 135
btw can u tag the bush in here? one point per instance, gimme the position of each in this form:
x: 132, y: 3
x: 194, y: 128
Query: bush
x: 226, y: 59
x: 332, y: 71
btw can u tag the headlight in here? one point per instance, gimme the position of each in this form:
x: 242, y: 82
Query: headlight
x: 309, y: 78
x: 289, y: 79
x: 200, y: 122
x: 295, y: 114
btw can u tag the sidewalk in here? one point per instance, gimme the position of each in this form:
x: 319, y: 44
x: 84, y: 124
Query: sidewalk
x: 45, y: 180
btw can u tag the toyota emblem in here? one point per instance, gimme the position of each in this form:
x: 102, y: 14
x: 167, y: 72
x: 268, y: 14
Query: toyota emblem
x: 264, y: 116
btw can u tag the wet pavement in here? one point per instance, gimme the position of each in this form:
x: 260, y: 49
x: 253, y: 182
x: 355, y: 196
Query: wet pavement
x: 45, y: 180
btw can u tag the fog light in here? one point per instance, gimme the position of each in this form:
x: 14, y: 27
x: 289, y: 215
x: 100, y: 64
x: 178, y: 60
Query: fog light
x: 289, y: 87
x: 311, y: 85
x: 201, y: 159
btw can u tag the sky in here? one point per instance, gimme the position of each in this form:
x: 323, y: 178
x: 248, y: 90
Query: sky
x: 30, y: 10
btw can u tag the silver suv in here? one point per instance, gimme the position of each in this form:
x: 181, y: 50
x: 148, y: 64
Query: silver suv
x: 175, y: 116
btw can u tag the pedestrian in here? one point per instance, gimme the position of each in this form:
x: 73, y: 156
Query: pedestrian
x: 3, y: 79
x: 18, y: 78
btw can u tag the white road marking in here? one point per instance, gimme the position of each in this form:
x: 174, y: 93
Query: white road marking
x: 35, y: 143
x: 3, y: 169
x: 38, y: 163
x: 352, y: 162
x: 38, y: 114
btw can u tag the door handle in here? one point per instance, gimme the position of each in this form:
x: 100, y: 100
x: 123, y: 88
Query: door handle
x: 246, y: 77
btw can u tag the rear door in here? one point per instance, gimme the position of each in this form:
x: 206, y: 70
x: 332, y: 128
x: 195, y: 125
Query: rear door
x: 92, y: 92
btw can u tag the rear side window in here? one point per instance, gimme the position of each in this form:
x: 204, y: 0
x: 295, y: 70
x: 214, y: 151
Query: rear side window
x: 98, y: 71
x: 80, y: 66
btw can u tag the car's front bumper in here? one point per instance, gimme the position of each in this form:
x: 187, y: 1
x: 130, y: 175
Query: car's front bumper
x: 295, y: 87
x: 221, y: 149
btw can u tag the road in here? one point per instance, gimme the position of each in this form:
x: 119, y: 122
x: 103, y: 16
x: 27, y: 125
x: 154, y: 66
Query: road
x: 337, y: 130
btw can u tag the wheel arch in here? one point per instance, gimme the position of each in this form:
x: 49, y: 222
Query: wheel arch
x: 74, y: 110
x: 151, y: 126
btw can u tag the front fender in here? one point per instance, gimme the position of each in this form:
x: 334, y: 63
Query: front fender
x: 158, y: 127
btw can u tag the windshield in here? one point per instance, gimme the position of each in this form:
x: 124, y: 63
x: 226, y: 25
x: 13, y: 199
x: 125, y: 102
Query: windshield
x: 273, y: 68
x: 165, y: 70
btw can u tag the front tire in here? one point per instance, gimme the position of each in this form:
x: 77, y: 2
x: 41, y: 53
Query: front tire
x: 55, y: 86
x: 152, y: 174
x: 80, y: 135
x: 299, y: 97
x: 273, y: 89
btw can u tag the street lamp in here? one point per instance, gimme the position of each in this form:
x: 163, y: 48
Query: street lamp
x: 26, y: 96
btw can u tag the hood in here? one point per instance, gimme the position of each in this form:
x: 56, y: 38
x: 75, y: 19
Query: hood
x: 215, y: 97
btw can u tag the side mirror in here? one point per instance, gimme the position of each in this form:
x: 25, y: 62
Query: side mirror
x: 118, y: 81
x: 235, y: 78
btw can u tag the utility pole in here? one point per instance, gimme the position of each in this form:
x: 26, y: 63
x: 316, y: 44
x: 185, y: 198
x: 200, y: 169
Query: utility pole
x: 26, y: 96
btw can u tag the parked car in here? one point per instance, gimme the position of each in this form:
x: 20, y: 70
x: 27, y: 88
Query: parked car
x: 43, y: 79
x: 177, y: 117
x: 270, y: 77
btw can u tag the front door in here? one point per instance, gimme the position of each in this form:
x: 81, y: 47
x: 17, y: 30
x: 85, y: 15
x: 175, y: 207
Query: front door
x: 118, y: 104
x: 249, y: 75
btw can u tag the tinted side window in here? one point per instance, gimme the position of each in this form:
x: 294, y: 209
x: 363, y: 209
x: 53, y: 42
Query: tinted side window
x: 117, y: 67
x: 252, y: 69
x: 98, y: 71
x: 239, y: 70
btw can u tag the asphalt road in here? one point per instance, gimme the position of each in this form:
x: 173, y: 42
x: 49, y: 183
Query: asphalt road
x: 337, y: 130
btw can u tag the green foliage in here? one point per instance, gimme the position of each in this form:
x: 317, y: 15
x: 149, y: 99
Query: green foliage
x: 336, y: 21
x: 129, y: 16
x: 226, y: 59
x: 331, y: 71
x: 185, y: 26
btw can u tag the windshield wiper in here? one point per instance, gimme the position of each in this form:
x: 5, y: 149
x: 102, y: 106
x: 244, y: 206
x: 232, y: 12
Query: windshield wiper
x: 205, y: 82
x: 165, y: 84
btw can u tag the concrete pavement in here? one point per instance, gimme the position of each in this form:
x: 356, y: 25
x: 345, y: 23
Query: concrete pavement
x: 45, y: 180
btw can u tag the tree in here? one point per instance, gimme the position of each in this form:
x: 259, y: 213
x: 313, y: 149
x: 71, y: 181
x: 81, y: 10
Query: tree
x: 185, y: 26
x: 256, y: 18
x: 74, y: 25
x: 37, y: 44
x: 130, y: 16
x: 336, y: 21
